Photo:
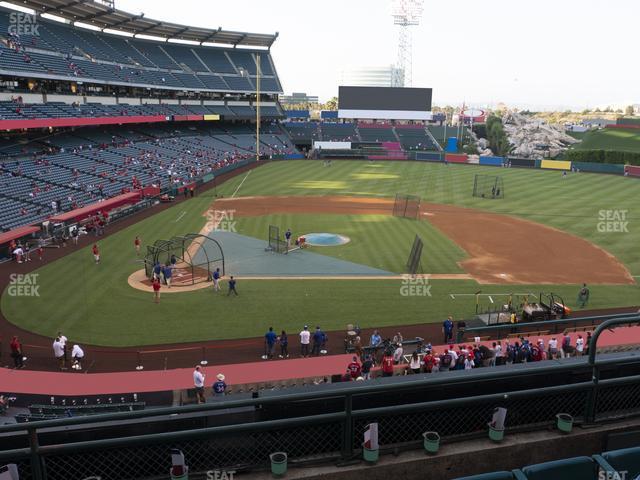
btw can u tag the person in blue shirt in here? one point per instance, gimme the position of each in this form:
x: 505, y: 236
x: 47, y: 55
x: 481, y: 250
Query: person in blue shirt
x: 219, y: 387
x: 167, y: 273
x: 318, y: 341
x: 270, y: 339
x: 232, y: 286
x: 216, y: 280
x: 375, y: 339
x: 284, y: 345
x: 287, y: 236
x: 447, y: 329
x: 157, y: 268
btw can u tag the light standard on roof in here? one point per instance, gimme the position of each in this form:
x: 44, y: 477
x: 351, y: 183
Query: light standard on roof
x: 245, y: 73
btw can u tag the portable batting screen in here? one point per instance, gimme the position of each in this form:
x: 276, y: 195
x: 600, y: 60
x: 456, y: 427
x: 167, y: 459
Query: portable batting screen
x: 275, y: 243
x: 413, y: 264
x: 406, y: 206
x: 488, y: 186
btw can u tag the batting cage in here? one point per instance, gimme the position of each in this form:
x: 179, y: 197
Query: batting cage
x: 414, y: 262
x: 275, y: 242
x: 193, y: 258
x: 488, y: 186
x: 406, y: 206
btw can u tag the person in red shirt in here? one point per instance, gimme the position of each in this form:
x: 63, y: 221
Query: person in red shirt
x: 16, y: 353
x: 387, y: 365
x: 96, y: 253
x: 156, y: 290
x: 354, y: 368
x: 40, y: 253
x: 136, y: 244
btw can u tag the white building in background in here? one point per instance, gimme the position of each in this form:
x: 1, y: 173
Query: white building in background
x: 388, y: 76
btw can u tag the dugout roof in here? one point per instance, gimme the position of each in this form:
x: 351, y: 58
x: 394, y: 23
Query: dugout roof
x: 104, y: 16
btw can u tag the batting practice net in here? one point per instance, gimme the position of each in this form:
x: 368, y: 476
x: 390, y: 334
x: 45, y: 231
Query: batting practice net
x: 488, y: 186
x: 276, y: 244
x: 406, y: 206
x: 414, y: 262
x: 193, y: 258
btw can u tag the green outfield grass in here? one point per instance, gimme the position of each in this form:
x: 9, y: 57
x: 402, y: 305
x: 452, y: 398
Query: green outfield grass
x: 94, y: 304
x: 610, y: 139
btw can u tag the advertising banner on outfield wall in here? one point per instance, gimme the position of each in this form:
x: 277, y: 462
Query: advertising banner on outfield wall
x: 332, y: 145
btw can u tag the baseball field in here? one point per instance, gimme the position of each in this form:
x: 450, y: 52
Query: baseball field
x: 549, y: 234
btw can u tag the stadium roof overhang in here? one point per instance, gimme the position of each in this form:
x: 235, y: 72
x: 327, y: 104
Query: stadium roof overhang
x: 104, y: 16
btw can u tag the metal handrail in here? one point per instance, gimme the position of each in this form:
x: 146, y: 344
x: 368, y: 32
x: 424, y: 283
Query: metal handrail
x: 355, y: 389
x: 546, y: 323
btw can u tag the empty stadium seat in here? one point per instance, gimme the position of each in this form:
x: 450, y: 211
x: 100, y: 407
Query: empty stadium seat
x: 624, y: 460
x: 489, y: 476
x: 583, y: 468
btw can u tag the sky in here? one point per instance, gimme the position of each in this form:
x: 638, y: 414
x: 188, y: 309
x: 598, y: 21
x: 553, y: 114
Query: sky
x: 542, y: 54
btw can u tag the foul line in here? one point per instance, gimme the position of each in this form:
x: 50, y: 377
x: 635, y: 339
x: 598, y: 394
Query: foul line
x: 245, y: 177
x: 180, y: 216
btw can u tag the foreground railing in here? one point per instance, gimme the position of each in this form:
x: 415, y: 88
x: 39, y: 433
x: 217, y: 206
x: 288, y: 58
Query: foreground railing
x: 322, y: 437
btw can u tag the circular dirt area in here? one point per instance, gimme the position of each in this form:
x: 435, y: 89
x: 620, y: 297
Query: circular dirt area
x: 326, y: 239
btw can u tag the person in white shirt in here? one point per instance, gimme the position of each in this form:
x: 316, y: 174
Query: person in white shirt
x: 63, y: 341
x: 305, y: 337
x: 397, y: 355
x: 58, y: 352
x: 553, y: 348
x: 77, y: 354
x: 454, y: 358
x: 579, y: 345
x: 198, y: 382
x: 18, y: 254
x: 468, y: 362
x: 415, y: 363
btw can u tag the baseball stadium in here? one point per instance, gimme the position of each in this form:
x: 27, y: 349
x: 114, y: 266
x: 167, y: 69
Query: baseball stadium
x: 200, y: 281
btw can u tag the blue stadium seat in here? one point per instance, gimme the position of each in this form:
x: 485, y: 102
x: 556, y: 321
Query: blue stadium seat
x: 582, y: 468
x: 624, y: 460
x: 489, y: 476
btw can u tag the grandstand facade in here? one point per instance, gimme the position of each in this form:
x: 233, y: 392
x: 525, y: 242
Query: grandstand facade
x: 67, y: 90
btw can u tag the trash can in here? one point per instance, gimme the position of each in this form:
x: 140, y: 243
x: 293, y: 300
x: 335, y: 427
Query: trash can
x: 278, y: 464
x: 431, y: 442
x: 564, y: 422
x: 370, y: 456
x: 496, y: 434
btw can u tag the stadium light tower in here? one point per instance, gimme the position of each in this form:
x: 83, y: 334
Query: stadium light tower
x: 406, y: 14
